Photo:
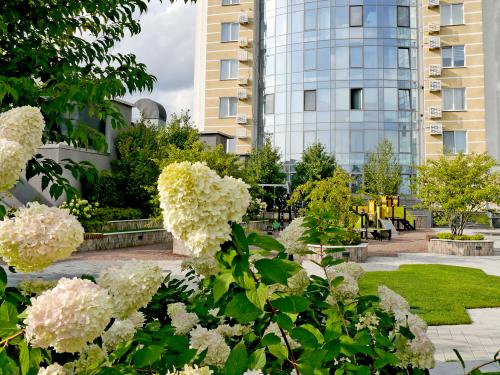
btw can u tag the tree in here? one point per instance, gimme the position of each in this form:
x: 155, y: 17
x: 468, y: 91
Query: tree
x: 382, y: 173
x: 316, y: 164
x: 458, y: 187
x: 179, y: 132
x: 264, y: 165
x: 57, y: 55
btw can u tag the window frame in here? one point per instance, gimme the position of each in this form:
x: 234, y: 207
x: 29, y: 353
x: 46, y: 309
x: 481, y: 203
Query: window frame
x: 351, y: 7
x: 230, y: 70
x: 455, y: 109
x: 228, y: 106
x: 230, y: 32
x: 356, y: 89
x: 406, y: 8
x: 408, y: 52
x: 407, y: 91
x: 452, y: 48
x: 362, y: 57
x: 453, y: 23
x: 315, y: 100
x: 266, y: 96
x: 454, y: 151
x: 311, y: 11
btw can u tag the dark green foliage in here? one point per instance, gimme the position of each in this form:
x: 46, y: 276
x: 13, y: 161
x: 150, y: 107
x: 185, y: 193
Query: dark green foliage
x: 48, y: 64
x: 316, y: 164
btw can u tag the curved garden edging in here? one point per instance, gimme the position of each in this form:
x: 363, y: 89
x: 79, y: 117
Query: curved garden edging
x: 464, y: 248
x: 357, y: 253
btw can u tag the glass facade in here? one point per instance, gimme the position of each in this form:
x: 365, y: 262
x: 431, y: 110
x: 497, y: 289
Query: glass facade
x: 341, y: 72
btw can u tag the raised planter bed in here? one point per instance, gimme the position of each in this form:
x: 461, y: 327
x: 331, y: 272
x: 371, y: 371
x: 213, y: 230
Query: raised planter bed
x: 357, y: 253
x: 464, y: 248
x: 118, y: 240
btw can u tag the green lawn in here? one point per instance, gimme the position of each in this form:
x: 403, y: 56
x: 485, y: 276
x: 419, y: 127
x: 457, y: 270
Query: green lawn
x: 438, y: 294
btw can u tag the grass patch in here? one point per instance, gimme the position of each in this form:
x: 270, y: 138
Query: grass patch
x: 438, y: 294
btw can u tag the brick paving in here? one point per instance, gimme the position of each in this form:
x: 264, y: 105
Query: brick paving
x: 404, y: 242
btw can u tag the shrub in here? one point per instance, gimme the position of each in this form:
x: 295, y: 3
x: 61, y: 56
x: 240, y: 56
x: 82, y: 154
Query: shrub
x: 445, y: 236
x: 102, y: 215
x: 477, y: 237
x: 463, y: 237
x: 351, y: 238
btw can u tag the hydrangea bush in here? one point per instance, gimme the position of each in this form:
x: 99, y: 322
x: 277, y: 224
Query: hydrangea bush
x: 252, y: 310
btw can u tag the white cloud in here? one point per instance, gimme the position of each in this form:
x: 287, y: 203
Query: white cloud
x: 166, y: 46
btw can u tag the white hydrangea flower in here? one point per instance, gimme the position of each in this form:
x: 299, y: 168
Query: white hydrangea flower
x: 351, y: 268
x: 38, y: 236
x: 182, y: 321
x: 23, y: 125
x: 368, y: 320
x: 69, y: 316
x: 28, y: 287
x: 290, y: 237
x: 188, y: 370
x: 205, y: 263
x: 348, y: 289
x: 253, y: 372
x: 53, y: 369
x: 296, y: 284
x: 132, y: 285
x: 418, y: 352
x: 405, y: 318
x: 89, y: 356
x: 390, y: 301
x: 12, y: 160
x: 137, y: 318
x: 197, y: 205
x: 120, y: 332
x: 227, y: 330
x: 218, y: 350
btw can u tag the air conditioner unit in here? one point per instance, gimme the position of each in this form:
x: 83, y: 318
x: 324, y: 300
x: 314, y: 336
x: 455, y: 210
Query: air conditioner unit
x: 243, y: 18
x: 434, y: 42
x: 435, y: 112
x: 241, y: 119
x: 242, y: 94
x: 435, y: 70
x: 242, y: 56
x: 436, y: 129
x: 434, y: 28
x: 241, y: 133
x: 243, y: 42
x: 433, y: 3
x: 242, y: 81
x: 435, y: 85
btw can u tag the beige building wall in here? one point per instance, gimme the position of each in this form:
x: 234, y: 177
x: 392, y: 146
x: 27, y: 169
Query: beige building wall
x: 471, y: 77
x: 210, y: 52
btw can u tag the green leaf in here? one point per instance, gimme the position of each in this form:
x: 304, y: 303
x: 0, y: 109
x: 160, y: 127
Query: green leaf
x: 237, y: 362
x: 7, y: 364
x: 242, y: 309
x: 239, y: 239
x: 24, y: 357
x: 304, y: 337
x: 221, y: 285
x: 147, y: 356
x: 284, y: 321
x: 3, y: 211
x: 280, y: 351
x: 3, y: 280
x: 291, y: 304
x: 257, y: 359
x: 265, y: 242
x: 258, y: 296
x: 270, y: 339
x: 276, y: 270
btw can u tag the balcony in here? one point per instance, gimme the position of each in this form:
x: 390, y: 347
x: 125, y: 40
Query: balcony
x: 435, y: 86
x: 435, y: 70
x: 435, y: 112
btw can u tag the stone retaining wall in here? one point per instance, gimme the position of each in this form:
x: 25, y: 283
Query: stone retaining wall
x: 358, y: 253
x: 120, y: 225
x: 464, y: 248
x: 110, y: 241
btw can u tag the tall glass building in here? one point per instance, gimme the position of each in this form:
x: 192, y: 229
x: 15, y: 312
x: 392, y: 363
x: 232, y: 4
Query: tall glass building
x: 340, y: 72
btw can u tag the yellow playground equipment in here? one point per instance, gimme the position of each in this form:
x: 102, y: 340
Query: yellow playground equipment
x: 377, y: 217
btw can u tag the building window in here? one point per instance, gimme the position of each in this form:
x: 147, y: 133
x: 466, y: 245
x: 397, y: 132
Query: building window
x: 269, y: 104
x: 404, y: 100
x: 452, y: 14
x: 356, y: 57
x: 356, y: 15
x: 403, y: 58
x: 453, y: 56
x: 454, y: 99
x: 357, y: 99
x: 228, y: 69
x: 403, y: 16
x: 310, y: 19
x: 228, y: 107
x: 230, y: 2
x: 454, y: 142
x: 310, y: 100
x: 229, y: 32
x: 310, y: 59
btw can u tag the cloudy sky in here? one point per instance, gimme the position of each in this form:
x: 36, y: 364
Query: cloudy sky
x: 166, y: 46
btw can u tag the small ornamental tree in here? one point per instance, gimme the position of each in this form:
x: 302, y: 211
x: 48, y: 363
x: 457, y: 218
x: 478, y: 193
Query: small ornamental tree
x: 458, y: 187
x: 316, y: 164
x: 382, y: 173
